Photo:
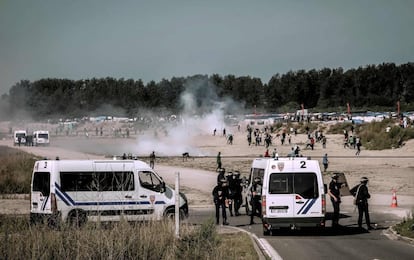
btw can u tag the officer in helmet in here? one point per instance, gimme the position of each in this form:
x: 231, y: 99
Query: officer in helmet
x: 221, y: 175
x: 237, y: 192
x: 220, y: 196
x: 361, y: 194
x: 231, y: 191
x: 256, y: 191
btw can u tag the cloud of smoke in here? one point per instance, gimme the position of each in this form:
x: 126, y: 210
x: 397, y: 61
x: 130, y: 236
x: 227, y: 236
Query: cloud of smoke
x: 202, y: 112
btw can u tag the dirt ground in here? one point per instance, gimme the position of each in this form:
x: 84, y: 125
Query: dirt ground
x: 386, y: 170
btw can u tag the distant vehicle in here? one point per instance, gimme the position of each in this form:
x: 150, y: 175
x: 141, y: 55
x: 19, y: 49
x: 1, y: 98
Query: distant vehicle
x: 293, y: 193
x: 41, y: 137
x: 19, y: 137
x: 78, y: 191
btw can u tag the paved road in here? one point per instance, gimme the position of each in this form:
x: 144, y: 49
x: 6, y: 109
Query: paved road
x: 350, y: 242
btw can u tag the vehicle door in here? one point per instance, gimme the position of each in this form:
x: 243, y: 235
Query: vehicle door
x: 280, y: 199
x: 151, y: 194
x: 307, y: 200
x: 40, y: 194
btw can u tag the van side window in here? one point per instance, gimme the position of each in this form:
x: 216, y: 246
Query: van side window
x: 97, y: 181
x: 150, y: 181
x: 41, y: 182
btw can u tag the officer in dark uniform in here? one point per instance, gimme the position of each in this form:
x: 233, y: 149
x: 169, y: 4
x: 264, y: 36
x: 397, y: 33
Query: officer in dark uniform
x: 220, y: 195
x: 256, y: 191
x: 361, y: 194
x: 334, y: 193
x: 221, y: 176
x: 231, y: 191
x: 237, y: 192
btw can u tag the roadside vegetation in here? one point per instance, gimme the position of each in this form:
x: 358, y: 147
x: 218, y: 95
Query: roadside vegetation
x: 15, y: 170
x: 123, y: 240
x: 406, y: 228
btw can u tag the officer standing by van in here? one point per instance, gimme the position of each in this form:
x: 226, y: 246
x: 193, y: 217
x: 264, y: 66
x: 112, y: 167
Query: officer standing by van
x: 237, y: 192
x: 334, y: 193
x: 361, y: 194
x: 256, y: 191
x: 220, y: 195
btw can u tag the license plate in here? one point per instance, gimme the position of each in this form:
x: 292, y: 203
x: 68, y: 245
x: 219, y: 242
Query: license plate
x: 278, y: 211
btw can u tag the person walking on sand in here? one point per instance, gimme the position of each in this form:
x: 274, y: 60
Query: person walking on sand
x: 361, y: 194
x: 358, y: 145
x: 325, y: 162
x: 152, y: 159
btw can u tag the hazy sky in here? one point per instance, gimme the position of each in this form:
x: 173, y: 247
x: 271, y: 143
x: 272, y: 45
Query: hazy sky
x: 151, y: 40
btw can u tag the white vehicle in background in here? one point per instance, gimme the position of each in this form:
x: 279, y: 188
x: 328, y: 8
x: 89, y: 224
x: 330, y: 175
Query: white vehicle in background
x: 77, y: 191
x: 293, y: 193
x: 19, y: 137
x: 41, y: 137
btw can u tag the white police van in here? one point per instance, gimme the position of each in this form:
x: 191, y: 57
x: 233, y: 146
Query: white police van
x: 19, y: 137
x: 293, y: 193
x: 41, y: 137
x: 77, y: 191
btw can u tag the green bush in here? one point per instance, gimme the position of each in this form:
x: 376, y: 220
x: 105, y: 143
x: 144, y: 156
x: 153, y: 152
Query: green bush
x: 15, y: 170
x: 405, y: 228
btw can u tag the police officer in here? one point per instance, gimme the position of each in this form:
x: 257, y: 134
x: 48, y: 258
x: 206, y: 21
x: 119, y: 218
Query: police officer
x: 237, y: 192
x: 361, y: 194
x: 256, y: 191
x: 220, y: 195
x: 231, y: 191
x: 221, y: 176
x: 334, y: 193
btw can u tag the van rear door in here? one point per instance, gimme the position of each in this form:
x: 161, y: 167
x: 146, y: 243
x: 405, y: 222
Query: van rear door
x: 293, y: 195
x: 40, y: 194
x: 280, y: 200
x: 307, y: 200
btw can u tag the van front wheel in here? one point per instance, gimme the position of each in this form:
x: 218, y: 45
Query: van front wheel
x: 170, y: 214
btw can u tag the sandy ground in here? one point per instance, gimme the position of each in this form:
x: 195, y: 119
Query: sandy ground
x: 386, y: 170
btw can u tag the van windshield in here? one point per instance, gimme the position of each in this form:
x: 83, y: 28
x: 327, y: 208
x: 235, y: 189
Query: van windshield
x: 304, y: 184
x: 41, y: 182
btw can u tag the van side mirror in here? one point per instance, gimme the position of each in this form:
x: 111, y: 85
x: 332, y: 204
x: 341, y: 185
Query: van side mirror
x: 162, y: 187
x: 325, y: 188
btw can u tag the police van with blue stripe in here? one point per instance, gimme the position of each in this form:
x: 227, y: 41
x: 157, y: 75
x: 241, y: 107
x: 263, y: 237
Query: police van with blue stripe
x: 77, y: 191
x: 293, y: 193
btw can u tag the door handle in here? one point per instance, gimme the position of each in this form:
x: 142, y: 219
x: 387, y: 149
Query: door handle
x: 128, y: 197
x: 299, y: 202
x: 143, y: 196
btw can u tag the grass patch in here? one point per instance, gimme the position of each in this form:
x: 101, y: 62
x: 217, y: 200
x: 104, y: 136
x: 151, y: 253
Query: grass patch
x: 406, y: 228
x: 123, y: 240
x: 15, y: 170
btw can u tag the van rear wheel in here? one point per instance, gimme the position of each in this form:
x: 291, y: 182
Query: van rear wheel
x: 77, y: 218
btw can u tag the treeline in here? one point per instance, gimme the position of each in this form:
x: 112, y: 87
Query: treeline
x: 373, y: 86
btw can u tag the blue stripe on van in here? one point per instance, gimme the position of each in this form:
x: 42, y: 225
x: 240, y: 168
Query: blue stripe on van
x: 64, y: 196
x: 312, y: 201
x: 304, y: 205
x: 45, y: 202
x: 70, y: 202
